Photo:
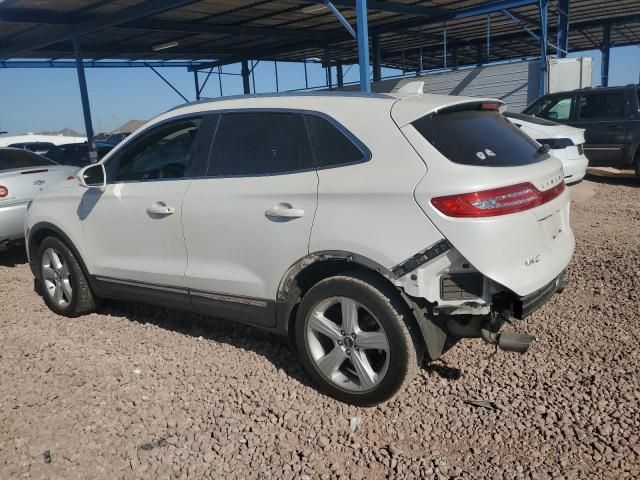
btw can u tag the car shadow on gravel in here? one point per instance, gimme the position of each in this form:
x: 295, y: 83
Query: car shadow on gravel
x: 271, y: 346
x: 275, y: 348
x: 628, y: 181
x: 13, y: 256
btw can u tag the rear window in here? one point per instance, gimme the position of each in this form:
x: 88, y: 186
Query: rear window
x: 12, y: 158
x: 480, y: 138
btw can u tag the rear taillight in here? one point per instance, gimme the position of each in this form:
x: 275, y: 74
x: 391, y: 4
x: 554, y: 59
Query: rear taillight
x: 497, y: 201
x: 4, y: 191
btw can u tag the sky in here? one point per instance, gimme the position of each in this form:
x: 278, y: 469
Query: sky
x: 35, y: 100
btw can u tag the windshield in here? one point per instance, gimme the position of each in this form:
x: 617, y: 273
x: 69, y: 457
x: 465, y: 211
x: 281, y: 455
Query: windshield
x: 11, y: 158
x: 479, y: 138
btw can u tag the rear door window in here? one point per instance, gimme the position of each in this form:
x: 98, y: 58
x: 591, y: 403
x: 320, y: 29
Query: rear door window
x: 331, y: 144
x: 479, y: 138
x: 260, y: 143
x: 601, y: 105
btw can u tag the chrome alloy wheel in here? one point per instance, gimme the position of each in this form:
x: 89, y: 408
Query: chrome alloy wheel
x: 56, y: 277
x: 347, y: 343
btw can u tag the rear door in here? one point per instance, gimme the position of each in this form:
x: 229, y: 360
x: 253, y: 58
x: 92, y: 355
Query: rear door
x: 602, y: 115
x: 251, y: 218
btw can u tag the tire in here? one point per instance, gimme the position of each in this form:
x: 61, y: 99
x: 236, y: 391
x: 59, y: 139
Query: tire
x: 636, y: 166
x: 62, y: 282
x: 343, y: 357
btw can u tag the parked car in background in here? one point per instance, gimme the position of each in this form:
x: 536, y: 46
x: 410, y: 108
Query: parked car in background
x: 77, y: 154
x: 23, y: 174
x: 41, y: 148
x: 565, y: 143
x: 365, y: 227
x: 610, y: 117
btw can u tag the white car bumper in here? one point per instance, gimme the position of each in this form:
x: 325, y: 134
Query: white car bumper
x: 12, y: 221
x: 574, y: 163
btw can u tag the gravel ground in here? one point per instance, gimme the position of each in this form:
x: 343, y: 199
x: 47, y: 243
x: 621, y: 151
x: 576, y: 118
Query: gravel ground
x: 143, y: 392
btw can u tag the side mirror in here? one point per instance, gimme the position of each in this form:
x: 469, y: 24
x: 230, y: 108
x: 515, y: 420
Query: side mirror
x: 552, y: 115
x: 93, y: 176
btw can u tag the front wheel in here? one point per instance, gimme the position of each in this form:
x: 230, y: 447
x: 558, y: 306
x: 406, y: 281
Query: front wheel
x: 63, y: 284
x: 357, y: 339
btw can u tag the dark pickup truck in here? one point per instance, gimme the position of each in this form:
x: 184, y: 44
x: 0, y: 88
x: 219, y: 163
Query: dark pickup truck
x: 610, y: 117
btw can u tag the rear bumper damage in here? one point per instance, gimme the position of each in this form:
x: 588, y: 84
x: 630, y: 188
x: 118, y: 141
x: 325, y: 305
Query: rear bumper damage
x: 481, y: 320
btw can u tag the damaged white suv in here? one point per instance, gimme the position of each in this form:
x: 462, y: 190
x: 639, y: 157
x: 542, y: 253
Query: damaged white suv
x: 368, y: 228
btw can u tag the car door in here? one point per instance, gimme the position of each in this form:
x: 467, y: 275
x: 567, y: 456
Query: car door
x: 602, y: 115
x: 250, y: 219
x: 133, y: 230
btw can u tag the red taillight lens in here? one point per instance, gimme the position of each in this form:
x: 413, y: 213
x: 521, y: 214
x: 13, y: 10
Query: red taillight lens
x: 4, y: 191
x: 497, y: 201
x: 490, y: 106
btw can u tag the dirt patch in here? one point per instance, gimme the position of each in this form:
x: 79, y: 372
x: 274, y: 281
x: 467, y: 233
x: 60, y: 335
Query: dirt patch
x: 142, y: 392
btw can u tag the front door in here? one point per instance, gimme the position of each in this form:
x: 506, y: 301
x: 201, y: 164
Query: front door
x: 133, y: 231
x: 602, y: 115
x: 251, y: 219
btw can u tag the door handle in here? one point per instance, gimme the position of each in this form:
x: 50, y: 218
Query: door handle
x: 160, y: 208
x: 284, y: 211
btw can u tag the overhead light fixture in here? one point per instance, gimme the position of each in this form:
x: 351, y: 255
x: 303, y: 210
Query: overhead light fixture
x: 314, y: 9
x: 164, y: 46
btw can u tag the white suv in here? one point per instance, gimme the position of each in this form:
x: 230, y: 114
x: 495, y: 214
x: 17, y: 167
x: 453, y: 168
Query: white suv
x: 367, y: 228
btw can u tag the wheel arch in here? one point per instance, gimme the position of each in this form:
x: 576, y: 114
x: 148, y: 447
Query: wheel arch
x: 311, y: 269
x: 38, y: 233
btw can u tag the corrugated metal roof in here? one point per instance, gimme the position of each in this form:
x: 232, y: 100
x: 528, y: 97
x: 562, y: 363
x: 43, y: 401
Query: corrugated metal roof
x: 295, y: 30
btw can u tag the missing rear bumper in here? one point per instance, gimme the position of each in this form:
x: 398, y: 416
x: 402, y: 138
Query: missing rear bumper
x: 522, y: 307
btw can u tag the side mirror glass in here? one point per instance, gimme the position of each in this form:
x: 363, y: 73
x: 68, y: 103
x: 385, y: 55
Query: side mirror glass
x: 552, y: 115
x: 93, y: 176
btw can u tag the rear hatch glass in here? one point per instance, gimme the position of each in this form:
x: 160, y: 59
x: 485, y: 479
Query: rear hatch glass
x: 479, y: 138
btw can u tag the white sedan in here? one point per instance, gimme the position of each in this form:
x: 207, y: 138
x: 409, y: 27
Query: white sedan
x: 565, y: 143
x: 24, y: 174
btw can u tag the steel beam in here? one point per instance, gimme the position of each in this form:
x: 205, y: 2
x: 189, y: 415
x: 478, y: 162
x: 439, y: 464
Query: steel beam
x: 64, y: 33
x: 245, y: 77
x: 168, y: 83
x: 363, y: 45
x: 196, y: 85
x: 377, y: 58
x: 606, y: 46
x: 84, y: 97
x: 543, y: 9
x: 92, y: 64
x: 563, y: 28
x: 343, y: 21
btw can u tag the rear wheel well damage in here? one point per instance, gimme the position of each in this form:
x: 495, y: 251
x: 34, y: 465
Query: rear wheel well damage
x: 315, y: 268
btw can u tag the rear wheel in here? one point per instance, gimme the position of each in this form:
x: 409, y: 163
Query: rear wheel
x: 636, y: 165
x: 63, y: 284
x: 357, y: 339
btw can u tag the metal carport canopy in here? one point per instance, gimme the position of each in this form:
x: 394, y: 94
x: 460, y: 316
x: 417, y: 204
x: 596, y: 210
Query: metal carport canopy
x: 405, y: 34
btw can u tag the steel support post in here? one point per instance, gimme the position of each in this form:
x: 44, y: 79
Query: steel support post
x: 606, y: 46
x: 377, y: 58
x: 245, y: 77
x: 363, y: 45
x: 340, y: 75
x: 543, y: 9
x: 196, y: 84
x: 563, y: 28
x: 84, y: 96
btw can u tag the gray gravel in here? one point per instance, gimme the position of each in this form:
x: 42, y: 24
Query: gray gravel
x: 137, y: 391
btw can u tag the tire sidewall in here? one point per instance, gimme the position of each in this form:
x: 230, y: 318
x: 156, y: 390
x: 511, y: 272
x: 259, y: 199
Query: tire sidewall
x: 71, y: 263
x: 382, y: 307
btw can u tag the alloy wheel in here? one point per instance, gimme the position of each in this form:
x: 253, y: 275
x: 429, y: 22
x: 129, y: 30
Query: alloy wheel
x: 347, y: 343
x: 56, y: 277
